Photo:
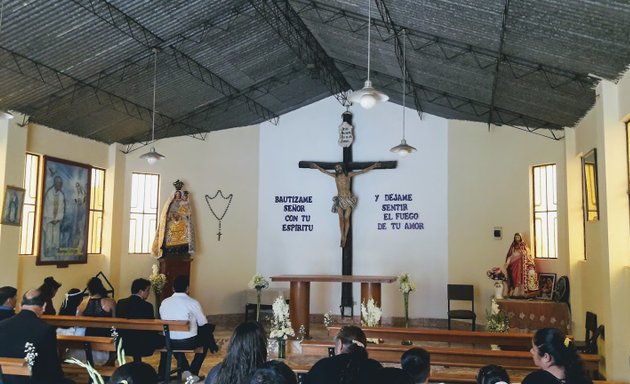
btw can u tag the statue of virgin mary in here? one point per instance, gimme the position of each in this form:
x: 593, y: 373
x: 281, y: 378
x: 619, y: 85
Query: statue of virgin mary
x: 175, y: 235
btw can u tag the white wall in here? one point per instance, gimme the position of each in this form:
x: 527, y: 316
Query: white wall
x: 489, y: 176
x: 311, y: 133
x: 226, y: 160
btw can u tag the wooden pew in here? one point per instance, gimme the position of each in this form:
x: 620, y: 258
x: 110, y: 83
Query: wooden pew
x: 13, y: 366
x: 462, y: 357
x: 165, y: 326
x: 448, y: 336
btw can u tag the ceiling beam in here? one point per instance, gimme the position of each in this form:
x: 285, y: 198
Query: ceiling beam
x: 45, y: 74
x: 464, y: 105
x: 398, y: 48
x: 495, y: 78
x: 287, y: 23
x: 449, y: 49
x: 130, y: 27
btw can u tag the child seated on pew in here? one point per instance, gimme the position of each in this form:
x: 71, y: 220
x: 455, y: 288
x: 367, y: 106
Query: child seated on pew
x: 417, y: 363
x: 134, y: 373
x: 492, y: 374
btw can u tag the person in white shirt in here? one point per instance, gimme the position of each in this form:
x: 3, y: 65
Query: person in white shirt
x: 180, y: 306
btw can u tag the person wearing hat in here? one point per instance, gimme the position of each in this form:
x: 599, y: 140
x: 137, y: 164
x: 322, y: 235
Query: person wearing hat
x: 49, y: 289
x: 7, y: 302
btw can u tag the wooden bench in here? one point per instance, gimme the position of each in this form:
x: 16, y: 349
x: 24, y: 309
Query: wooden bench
x: 461, y: 357
x: 165, y: 326
x: 13, y: 366
x: 443, y: 335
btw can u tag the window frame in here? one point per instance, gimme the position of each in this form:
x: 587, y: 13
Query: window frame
x: 35, y: 205
x: 552, y: 254
x: 91, y: 212
x: 149, y: 239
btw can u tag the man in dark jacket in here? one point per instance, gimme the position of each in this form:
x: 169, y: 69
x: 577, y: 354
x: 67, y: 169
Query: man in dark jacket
x: 27, y: 327
x: 138, y: 343
x: 7, y: 302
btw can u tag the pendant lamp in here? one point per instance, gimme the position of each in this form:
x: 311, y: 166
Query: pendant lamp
x: 368, y: 96
x: 403, y: 149
x: 153, y: 156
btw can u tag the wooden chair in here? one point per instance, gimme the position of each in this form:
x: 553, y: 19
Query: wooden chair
x: 461, y: 292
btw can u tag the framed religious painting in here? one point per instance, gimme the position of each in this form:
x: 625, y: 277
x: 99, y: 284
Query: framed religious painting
x: 64, y: 212
x: 546, y: 285
x: 12, y: 205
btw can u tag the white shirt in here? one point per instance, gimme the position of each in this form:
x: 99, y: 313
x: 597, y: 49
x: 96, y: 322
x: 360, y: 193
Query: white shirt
x: 180, y: 306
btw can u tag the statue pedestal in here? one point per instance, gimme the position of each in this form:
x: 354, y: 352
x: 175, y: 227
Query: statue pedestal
x: 173, y: 267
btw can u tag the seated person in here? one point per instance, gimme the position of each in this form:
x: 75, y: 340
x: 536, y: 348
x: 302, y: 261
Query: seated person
x: 71, y: 302
x: 97, y: 304
x: 392, y: 375
x: 180, y: 306
x: 134, y: 373
x: 8, y: 300
x: 273, y: 372
x: 27, y: 327
x: 246, y: 352
x: 492, y: 374
x: 350, y: 364
x: 417, y: 363
x: 49, y: 289
x: 138, y: 343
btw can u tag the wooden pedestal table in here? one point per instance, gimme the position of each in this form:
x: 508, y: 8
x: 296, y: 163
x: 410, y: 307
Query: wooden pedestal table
x: 300, y: 285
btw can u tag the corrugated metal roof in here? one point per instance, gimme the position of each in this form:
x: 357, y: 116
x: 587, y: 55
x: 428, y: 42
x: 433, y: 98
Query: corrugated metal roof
x: 86, y: 66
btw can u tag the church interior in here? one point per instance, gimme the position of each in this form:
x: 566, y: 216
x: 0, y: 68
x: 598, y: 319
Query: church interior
x: 239, y: 97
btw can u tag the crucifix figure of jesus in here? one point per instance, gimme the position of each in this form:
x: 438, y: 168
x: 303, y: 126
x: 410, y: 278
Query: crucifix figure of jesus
x: 345, y: 201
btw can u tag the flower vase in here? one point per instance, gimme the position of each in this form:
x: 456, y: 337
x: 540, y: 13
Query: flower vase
x: 406, y: 302
x: 282, y: 348
x: 498, y: 290
x: 258, y: 292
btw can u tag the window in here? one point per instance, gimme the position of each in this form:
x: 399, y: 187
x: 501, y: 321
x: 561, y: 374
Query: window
x: 545, y: 211
x: 27, y: 232
x: 97, y: 193
x: 589, y: 181
x: 143, y: 215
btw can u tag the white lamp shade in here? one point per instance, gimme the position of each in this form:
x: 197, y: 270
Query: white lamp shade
x: 403, y: 149
x: 152, y: 156
x: 367, y: 96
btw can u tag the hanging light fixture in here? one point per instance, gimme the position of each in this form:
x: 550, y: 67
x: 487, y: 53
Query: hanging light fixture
x: 403, y: 149
x: 153, y: 156
x: 368, y: 96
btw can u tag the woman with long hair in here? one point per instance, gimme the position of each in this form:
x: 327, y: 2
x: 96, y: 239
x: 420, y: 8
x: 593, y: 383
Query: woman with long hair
x: 350, y: 365
x: 246, y: 352
x: 521, y: 269
x: 97, y: 305
x: 555, y: 355
x: 49, y: 289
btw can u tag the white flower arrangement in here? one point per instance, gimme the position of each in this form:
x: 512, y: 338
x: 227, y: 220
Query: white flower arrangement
x: 157, y: 279
x: 114, y: 333
x: 497, y: 320
x: 405, y: 284
x: 280, y: 324
x: 370, y: 314
x: 31, y: 354
x: 328, y: 319
x: 258, y: 281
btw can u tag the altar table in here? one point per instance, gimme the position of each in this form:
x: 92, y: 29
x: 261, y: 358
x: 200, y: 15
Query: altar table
x: 300, y: 288
x: 530, y: 315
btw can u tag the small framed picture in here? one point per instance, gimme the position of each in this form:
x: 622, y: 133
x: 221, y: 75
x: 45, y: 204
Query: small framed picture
x: 546, y: 285
x: 12, y: 205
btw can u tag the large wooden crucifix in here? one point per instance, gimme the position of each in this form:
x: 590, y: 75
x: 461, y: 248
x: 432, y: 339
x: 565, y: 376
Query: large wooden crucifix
x: 345, y: 201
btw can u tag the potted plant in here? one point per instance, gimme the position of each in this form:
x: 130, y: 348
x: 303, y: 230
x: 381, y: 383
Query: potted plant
x: 281, y: 327
x: 258, y: 282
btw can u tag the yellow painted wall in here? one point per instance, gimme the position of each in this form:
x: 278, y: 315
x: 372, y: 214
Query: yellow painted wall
x: 604, y: 283
x: 488, y: 186
x: 45, y: 141
x: 226, y: 160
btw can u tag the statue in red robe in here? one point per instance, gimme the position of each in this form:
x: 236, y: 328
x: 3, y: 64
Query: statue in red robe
x: 521, y: 269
